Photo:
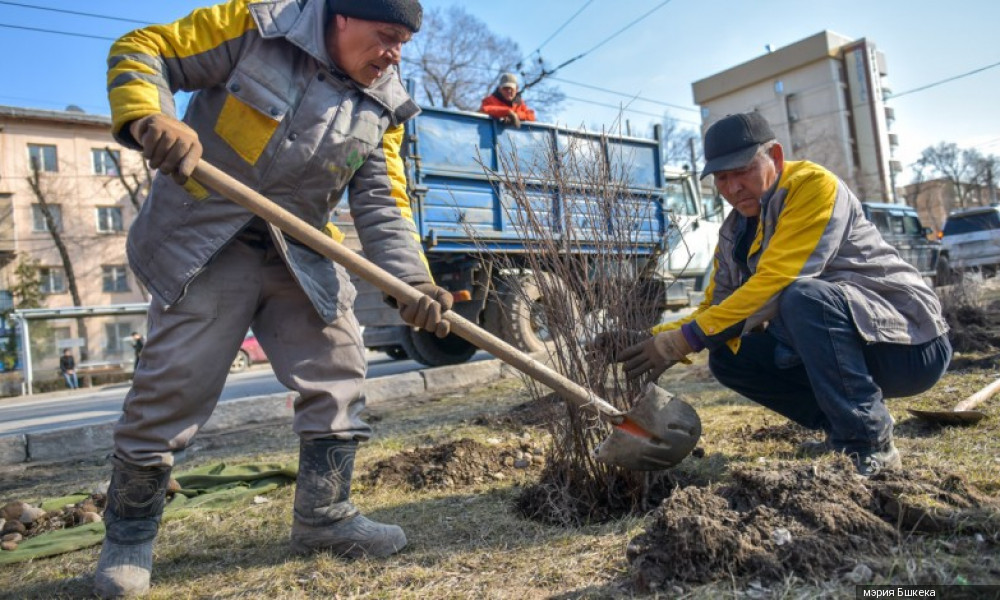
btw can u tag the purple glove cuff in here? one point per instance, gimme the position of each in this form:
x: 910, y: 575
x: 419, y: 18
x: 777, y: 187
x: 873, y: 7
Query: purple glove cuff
x: 692, y: 338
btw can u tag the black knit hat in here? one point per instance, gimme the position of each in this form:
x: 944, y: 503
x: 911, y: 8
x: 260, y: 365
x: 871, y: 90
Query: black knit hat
x: 732, y: 142
x: 407, y: 13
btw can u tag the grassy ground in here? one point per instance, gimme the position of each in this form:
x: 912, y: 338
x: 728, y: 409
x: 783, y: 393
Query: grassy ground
x: 466, y: 541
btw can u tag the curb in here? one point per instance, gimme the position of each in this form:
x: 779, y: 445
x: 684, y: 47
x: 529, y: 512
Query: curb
x: 71, y: 443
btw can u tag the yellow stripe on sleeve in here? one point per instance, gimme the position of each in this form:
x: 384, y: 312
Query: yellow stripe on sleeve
x: 392, y: 141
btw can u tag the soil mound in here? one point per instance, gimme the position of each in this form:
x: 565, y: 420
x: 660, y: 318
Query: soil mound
x: 539, y: 412
x: 460, y: 463
x: 973, y: 329
x: 810, y: 520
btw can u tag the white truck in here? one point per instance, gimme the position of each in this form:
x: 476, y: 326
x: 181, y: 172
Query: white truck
x: 697, y: 218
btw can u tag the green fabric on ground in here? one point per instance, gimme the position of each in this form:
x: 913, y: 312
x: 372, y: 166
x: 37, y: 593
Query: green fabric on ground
x: 212, y: 486
x: 55, y: 542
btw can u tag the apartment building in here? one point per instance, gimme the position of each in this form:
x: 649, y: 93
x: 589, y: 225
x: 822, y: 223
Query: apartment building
x: 824, y: 97
x: 68, y: 162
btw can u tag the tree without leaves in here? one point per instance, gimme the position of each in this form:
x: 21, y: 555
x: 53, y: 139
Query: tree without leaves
x: 678, y: 145
x: 959, y: 166
x: 457, y: 60
x: 135, y: 186
x: 54, y: 229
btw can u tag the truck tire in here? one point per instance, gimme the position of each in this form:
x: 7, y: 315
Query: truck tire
x: 517, y: 313
x: 944, y: 273
x: 240, y: 363
x: 396, y: 353
x: 428, y: 349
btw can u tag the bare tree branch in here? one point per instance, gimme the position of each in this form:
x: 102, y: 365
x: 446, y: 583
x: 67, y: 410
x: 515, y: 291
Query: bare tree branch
x: 457, y: 60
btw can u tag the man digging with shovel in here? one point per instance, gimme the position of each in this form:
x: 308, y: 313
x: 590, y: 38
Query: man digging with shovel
x: 810, y: 312
x: 299, y: 100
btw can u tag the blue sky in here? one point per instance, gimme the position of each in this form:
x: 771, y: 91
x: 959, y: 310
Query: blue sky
x: 658, y: 58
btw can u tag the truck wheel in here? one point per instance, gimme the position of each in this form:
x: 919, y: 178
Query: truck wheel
x: 518, y: 313
x: 396, y: 353
x: 428, y: 349
x: 944, y: 273
x: 240, y: 363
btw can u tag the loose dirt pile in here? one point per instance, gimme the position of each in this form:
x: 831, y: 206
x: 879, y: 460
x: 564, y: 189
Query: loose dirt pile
x: 460, y: 463
x: 809, y: 520
x: 539, y: 412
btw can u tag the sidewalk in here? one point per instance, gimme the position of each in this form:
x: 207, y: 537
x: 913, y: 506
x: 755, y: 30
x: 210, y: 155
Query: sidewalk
x: 73, y: 443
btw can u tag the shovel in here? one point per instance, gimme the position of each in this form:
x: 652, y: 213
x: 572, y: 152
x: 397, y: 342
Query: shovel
x: 657, y: 433
x: 962, y: 414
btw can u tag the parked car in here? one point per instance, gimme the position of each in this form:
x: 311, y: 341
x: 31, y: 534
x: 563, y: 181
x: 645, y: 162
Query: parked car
x: 900, y: 226
x: 970, y: 240
x: 249, y: 353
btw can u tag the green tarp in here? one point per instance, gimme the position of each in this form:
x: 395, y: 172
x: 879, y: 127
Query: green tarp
x: 212, y: 486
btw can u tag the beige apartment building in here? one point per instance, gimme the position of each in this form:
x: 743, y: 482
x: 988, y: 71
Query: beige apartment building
x: 824, y: 97
x: 90, y: 208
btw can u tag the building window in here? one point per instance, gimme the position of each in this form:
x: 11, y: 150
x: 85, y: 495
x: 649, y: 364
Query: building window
x: 42, y: 157
x: 109, y: 219
x: 115, y: 278
x: 51, y: 280
x: 38, y: 217
x: 115, y: 334
x: 105, y: 161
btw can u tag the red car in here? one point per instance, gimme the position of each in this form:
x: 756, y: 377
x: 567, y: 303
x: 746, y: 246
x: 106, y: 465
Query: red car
x: 249, y: 353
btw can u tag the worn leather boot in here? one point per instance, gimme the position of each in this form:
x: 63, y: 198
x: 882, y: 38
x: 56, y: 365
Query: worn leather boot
x: 135, y: 504
x: 325, y: 520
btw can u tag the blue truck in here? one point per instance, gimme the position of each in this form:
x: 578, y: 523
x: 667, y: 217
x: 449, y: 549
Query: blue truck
x: 472, y: 233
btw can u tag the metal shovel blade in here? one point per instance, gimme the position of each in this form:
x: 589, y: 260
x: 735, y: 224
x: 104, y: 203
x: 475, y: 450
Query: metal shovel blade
x: 657, y: 433
x: 949, y: 417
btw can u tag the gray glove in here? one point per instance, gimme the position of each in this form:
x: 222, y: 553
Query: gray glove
x: 612, y: 343
x: 426, y: 313
x: 512, y: 120
x: 655, y: 355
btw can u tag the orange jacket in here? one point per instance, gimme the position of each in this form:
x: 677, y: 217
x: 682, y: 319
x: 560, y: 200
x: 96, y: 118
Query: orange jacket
x: 498, y: 108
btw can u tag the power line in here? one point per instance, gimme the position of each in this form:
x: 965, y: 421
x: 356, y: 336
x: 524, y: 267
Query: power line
x: 561, y: 27
x: 617, y: 93
x: 622, y: 30
x: 627, y: 109
x: 949, y: 79
x: 73, y: 12
x: 69, y: 33
x: 547, y: 73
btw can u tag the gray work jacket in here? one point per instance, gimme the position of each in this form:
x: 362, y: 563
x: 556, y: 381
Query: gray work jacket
x: 272, y: 111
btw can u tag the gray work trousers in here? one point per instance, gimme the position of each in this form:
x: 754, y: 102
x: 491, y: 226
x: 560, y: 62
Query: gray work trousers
x: 191, y: 345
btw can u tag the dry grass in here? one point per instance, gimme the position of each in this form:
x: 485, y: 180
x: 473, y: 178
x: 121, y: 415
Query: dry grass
x: 468, y: 541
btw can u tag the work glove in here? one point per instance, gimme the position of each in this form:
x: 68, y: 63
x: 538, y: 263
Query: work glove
x: 512, y: 120
x: 168, y: 144
x: 657, y: 354
x: 426, y: 313
x: 612, y: 343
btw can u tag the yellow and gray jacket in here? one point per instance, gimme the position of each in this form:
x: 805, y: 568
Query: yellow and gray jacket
x: 273, y: 111
x: 812, y: 225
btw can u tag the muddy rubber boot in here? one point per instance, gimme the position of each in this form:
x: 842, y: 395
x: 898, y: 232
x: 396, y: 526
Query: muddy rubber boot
x: 325, y: 520
x: 135, y: 504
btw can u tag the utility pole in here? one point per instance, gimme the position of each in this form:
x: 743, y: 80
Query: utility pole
x: 694, y: 155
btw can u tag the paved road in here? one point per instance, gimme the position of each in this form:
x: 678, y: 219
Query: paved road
x: 43, y: 412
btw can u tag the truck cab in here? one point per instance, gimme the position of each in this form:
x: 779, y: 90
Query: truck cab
x: 696, y: 220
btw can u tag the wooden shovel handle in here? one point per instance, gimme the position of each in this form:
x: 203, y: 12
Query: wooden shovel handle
x: 229, y: 188
x: 979, y: 397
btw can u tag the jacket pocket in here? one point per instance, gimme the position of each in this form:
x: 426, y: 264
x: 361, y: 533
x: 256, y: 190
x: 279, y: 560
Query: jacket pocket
x: 249, y: 117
